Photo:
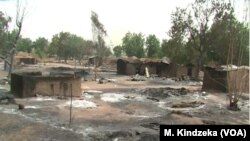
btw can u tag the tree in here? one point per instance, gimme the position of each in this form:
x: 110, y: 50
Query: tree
x: 234, y: 36
x: 24, y: 44
x: 117, y: 51
x: 89, y: 47
x: 101, y: 49
x: 4, y: 24
x: 52, y: 50
x: 177, y: 51
x: 133, y: 44
x: 7, y: 38
x: 153, y: 46
x: 41, y: 47
x: 220, y: 40
x: 99, y: 33
x: 194, y: 23
x: 66, y: 45
x: 78, y: 46
x: 19, y: 24
x: 60, y: 45
x: 54, y: 45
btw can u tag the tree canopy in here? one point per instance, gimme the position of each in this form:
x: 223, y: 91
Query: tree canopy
x: 4, y: 24
x: 99, y: 33
x: 117, y: 51
x: 202, y: 32
x: 133, y: 44
x: 205, y: 31
x: 152, y: 46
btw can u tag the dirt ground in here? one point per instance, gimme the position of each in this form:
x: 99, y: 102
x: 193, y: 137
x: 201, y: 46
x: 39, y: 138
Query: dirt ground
x: 117, y: 110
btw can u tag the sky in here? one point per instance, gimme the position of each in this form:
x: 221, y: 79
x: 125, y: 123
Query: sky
x: 45, y: 18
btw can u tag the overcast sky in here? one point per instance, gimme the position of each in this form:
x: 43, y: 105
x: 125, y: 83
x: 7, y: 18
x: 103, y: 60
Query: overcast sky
x: 48, y: 17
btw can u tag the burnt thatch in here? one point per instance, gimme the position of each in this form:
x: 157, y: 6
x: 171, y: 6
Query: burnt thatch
x: 215, y: 79
x: 31, y: 84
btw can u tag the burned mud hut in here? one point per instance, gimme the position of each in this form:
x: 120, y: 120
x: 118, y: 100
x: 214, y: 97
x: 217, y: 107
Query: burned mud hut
x: 179, y: 70
x: 160, y: 67
x: 128, y: 66
x: 19, y: 59
x: 95, y: 60
x: 154, y: 66
x: 24, y: 58
x: 33, y: 83
x: 225, y: 79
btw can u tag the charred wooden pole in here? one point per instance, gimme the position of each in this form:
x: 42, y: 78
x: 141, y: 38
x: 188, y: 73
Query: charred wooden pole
x: 70, y: 107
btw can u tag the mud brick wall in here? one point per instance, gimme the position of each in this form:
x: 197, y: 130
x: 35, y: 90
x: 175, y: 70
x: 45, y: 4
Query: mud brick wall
x: 179, y: 71
x: 23, y: 85
x: 173, y: 70
x: 132, y: 69
x: 163, y: 70
x: 128, y: 67
x: 58, y: 86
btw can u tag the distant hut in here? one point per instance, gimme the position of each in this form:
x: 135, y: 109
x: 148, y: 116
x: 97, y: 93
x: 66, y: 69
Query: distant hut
x: 151, y: 64
x: 177, y: 70
x: 160, y: 67
x: 24, y: 58
x: 215, y: 79
x: 95, y: 60
x: 19, y: 59
x: 155, y: 66
x: 128, y: 66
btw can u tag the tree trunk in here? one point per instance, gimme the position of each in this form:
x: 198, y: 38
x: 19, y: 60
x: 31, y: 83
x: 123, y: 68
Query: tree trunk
x: 199, y: 66
x: 12, y: 55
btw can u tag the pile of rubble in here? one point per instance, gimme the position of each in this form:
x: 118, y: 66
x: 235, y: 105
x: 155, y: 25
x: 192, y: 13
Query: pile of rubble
x: 162, y: 93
